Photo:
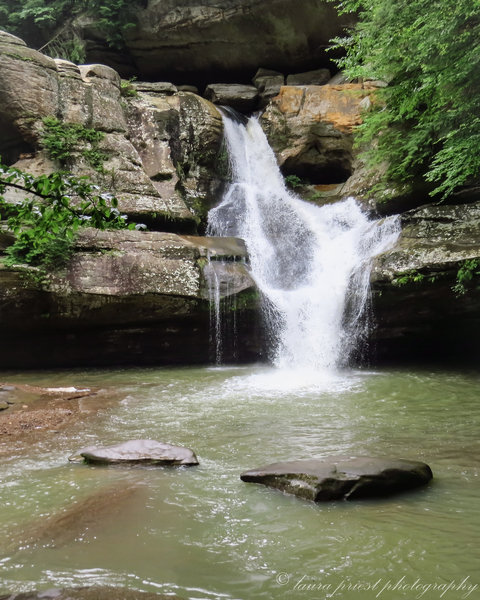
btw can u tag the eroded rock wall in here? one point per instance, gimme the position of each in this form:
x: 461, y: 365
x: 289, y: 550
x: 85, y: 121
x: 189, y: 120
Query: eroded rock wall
x: 141, y: 297
x: 148, y: 137
x: 125, y: 297
x: 209, y: 41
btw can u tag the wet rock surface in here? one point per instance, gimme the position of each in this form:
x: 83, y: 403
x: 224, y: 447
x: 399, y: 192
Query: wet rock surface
x: 144, y: 452
x: 419, y: 311
x: 126, y: 297
x: 348, y: 479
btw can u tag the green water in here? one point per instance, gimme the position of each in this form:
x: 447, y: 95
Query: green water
x: 203, y: 534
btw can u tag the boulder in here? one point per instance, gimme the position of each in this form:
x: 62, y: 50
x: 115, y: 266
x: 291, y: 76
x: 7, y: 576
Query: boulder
x: 268, y: 83
x: 339, y: 78
x: 143, y: 452
x: 148, y: 140
x: 155, y: 87
x: 21, y: 105
x: 188, y: 88
x: 198, y: 154
x: 310, y: 129
x: 240, y: 97
x: 317, y: 77
x: 348, y: 479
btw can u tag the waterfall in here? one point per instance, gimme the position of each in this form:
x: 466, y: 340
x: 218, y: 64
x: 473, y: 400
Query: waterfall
x: 311, y: 263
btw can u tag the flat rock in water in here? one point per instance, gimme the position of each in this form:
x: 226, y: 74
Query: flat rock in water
x: 342, y: 479
x: 145, y: 452
x: 88, y: 593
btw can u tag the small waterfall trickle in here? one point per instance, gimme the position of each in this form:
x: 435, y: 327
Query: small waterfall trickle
x: 311, y: 264
x: 215, y: 310
x: 223, y: 310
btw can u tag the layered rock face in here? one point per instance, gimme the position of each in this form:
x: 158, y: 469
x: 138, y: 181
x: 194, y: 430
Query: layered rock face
x: 136, y: 297
x: 419, y: 306
x: 310, y: 129
x: 160, y: 145
x: 126, y: 296
x: 219, y: 42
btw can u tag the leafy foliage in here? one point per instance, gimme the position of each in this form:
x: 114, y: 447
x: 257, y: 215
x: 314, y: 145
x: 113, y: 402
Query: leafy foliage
x: 412, y: 276
x: 427, y: 120
x: 294, y: 181
x: 45, y: 227
x: 127, y: 90
x: 113, y: 18
x: 40, y: 13
x: 466, y: 274
x: 48, y: 23
x: 61, y: 140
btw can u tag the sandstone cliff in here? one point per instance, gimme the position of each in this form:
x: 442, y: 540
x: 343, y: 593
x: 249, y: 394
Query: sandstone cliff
x: 208, y: 41
x: 126, y: 296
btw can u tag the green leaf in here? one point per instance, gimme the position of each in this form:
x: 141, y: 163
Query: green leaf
x: 45, y: 227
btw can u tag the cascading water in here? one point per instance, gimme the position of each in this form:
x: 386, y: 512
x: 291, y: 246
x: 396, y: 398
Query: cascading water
x: 223, y: 322
x: 310, y: 263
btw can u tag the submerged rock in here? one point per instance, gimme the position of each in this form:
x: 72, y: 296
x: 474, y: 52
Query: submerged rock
x: 88, y: 593
x: 348, y: 479
x: 83, y: 517
x: 145, y: 452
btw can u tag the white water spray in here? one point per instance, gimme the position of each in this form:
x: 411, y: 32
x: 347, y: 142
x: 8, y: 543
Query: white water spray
x: 312, y: 264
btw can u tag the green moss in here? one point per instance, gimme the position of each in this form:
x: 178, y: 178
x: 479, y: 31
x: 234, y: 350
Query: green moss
x: 63, y: 140
x: 246, y: 300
